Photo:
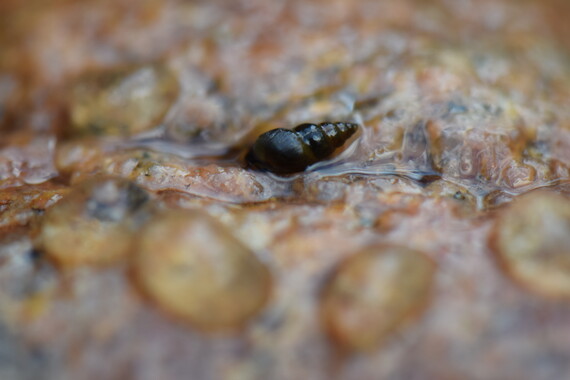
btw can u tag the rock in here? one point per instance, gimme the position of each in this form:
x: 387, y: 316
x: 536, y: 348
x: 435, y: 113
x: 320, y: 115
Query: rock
x: 531, y: 240
x: 195, y: 269
x: 373, y: 293
x: 121, y: 101
x: 94, y: 224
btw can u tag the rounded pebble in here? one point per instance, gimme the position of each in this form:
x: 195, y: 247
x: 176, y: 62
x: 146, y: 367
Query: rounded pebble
x: 374, y: 292
x: 94, y: 224
x: 531, y: 239
x: 122, y: 101
x: 195, y: 269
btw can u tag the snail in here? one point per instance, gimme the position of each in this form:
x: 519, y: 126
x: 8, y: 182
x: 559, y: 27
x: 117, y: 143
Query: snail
x: 293, y: 150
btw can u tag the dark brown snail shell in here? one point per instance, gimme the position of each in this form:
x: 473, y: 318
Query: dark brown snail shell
x: 293, y: 150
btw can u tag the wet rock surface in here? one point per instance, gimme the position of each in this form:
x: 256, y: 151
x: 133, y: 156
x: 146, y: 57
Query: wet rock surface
x: 462, y: 162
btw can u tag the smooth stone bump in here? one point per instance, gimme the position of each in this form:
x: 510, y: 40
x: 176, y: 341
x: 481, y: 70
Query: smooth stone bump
x: 196, y: 270
x: 531, y: 240
x: 373, y: 293
x: 94, y: 224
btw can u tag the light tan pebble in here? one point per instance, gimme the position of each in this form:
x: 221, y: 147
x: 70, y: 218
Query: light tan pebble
x: 373, y: 293
x: 531, y: 240
x: 122, y: 101
x: 195, y: 269
x: 94, y: 224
